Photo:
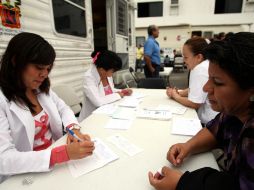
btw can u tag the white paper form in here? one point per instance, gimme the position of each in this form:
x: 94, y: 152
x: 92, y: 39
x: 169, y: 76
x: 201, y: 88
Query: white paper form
x: 107, y: 109
x: 175, y: 109
x: 185, y: 126
x: 101, y: 156
x: 124, y: 113
x: 138, y: 95
x: 154, y: 114
x: 124, y: 145
x: 130, y: 102
x: 121, y: 124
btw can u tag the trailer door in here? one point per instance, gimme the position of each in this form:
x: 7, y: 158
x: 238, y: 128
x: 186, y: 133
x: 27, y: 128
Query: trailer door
x: 117, y: 28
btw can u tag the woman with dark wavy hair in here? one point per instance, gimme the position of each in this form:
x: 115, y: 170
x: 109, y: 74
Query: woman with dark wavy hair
x: 230, y: 91
x: 31, y: 115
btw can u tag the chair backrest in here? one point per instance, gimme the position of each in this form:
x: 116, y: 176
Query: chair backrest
x: 179, y: 60
x: 129, y: 80
x: 69, y: 96
x: 152, y: 83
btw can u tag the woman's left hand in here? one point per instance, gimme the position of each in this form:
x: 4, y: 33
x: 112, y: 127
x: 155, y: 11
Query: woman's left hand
x: 168, y: 180
x: 71, y: 139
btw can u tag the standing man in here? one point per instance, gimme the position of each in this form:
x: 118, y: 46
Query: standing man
x: 152, y: 53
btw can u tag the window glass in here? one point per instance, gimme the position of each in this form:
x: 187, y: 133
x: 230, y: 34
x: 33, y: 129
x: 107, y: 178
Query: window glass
x: 152, y: 9
x: 69, y: 18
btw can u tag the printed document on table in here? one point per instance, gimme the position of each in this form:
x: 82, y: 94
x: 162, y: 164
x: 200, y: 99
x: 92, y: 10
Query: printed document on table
x: 154, y: 114
x: 175, y: 109
x: 124, y: 145
x: 138, y: 95
x: 186, y: 126
x: 107, y: 109
x: 101, y: 156
x: 129, y: 102
x: 121, y: 124
x: 124, y: 113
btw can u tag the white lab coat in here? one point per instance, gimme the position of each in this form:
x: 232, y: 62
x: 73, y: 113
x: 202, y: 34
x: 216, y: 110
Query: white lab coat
x: 17, y: 131
x: 94, y: 92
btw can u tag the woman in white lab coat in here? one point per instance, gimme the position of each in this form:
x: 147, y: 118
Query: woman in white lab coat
x: 31, y: 115
x: 98, y: 82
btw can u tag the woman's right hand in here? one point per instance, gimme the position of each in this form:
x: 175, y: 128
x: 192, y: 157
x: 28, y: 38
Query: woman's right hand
x: 78, y: 150
x: 177, y: 153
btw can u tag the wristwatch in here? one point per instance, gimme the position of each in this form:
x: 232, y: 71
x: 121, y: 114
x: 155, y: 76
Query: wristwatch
x: 75, y: 126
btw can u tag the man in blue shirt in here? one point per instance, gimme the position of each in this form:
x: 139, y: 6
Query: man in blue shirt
x: 152, y: 53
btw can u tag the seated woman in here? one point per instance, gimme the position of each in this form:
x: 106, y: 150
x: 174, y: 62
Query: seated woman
x: 194, y: 96
x: 31, y: 115
x: 230, y: 91
x: 98, y: 82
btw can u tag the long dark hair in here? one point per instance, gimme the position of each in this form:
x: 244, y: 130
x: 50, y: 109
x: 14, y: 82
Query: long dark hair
x: 23, y: 49
x: 107, y: 60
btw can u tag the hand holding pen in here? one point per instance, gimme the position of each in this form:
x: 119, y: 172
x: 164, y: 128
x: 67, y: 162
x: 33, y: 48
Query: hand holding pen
x: 82, y: 149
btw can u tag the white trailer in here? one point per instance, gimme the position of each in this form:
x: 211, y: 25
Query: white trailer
x: 75, y: 28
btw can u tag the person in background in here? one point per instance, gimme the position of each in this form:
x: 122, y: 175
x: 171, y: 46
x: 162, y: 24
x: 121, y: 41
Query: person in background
x: 152, y: 53
x: 98, y: 82
x: 194, y: 96
x: 31, y: 114
x: 167, y: 61
x: 139, y: 58
x: 230, y: 90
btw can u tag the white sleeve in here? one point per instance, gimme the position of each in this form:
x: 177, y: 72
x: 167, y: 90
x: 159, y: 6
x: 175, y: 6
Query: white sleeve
x: 197, y: 81
x: 13, y: 161
x: 92, y: 92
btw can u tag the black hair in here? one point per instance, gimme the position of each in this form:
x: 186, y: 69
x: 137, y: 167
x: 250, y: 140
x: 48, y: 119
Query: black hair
x: 235, y: 56
x: 23, y: 49
x: 150, y: 29
x: 107, y: 60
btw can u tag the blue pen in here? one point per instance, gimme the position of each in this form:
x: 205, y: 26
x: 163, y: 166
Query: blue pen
x: 73, y: 134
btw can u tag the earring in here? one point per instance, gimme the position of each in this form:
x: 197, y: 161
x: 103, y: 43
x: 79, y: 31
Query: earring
x: 252, y: 98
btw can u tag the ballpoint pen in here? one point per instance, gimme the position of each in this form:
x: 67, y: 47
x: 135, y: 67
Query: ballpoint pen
x: 74, y: 135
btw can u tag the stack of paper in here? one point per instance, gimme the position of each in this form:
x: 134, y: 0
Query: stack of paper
x: 137, y: 95
x: 107, y: 109
x: 129, y: 102
x: 175, y: 109
x: 124, y: 145
x: 124, y: 113
x: 102, y: 155
x: 154, y: 114
x: 185, y: 126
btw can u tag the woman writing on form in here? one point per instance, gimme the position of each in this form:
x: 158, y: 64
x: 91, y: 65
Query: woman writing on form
x: 32, y: 115
x: 194, y: 96
x: 98, y: 82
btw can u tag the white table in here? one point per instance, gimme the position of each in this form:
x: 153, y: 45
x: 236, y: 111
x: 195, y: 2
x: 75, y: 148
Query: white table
x: 166, y: 73
x: 127, y: 172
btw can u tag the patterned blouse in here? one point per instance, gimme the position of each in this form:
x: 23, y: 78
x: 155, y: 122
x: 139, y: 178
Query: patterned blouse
x: 237, y: 141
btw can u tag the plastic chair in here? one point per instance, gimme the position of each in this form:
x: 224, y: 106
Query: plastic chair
x: 69, y: 96
x: 152, y: 83
x: 179, y: 64
x: 129, y: 80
